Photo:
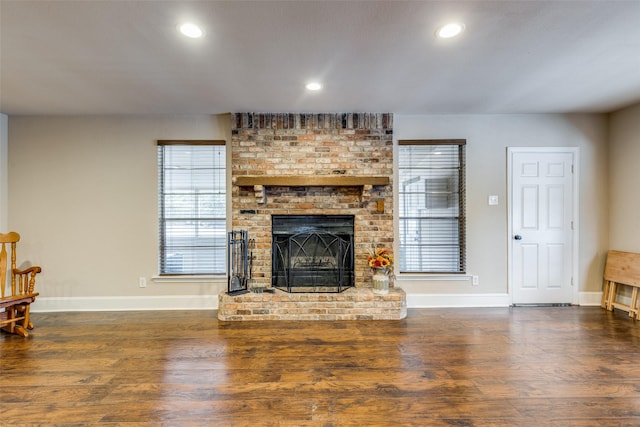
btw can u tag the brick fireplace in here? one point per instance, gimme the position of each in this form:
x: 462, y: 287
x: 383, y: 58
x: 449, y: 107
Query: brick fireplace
x: 313, y: 164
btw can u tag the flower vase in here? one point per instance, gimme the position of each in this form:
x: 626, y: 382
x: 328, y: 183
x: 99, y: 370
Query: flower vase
x: 380, y: 281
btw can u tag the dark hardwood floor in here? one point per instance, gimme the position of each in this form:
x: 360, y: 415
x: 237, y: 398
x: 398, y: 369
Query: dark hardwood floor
x: 565, y: 366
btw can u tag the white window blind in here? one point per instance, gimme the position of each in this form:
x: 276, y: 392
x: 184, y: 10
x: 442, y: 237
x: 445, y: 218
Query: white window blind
x: 432, y: 206
x: 192, y: 207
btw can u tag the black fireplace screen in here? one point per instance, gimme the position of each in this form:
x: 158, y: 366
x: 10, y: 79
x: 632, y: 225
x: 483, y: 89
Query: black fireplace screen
x: 312, y: 253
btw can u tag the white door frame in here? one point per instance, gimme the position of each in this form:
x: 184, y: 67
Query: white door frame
x: 575, y: 152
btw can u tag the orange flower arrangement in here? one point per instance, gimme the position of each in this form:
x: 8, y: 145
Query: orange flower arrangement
x: 380, y: 258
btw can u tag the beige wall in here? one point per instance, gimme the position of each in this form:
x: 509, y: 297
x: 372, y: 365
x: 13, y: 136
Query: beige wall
x: 82, y: 191
x: 624, y: 167
x: 4, y: 172
x: 83, y: 194
x: 488, y: 137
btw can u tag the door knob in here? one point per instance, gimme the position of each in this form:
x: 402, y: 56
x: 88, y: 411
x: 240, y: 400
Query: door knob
x: 517, y: 237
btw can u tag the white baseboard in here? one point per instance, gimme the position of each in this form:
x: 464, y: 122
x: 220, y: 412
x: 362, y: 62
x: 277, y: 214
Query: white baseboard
x: 590, y: 298
x: 481, y: 300
x: 210, y: 302
x: 168, y: 302
x: 457, y: 300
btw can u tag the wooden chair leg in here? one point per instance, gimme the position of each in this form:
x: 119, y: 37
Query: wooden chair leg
x: 605, y: 294
x: 17, y: 317
x: 612, y: 295
x: 27, y: 320
x: 633, y: 311
x: 9, y: 324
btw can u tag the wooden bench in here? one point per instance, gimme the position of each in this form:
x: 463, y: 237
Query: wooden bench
x: 621, y: 269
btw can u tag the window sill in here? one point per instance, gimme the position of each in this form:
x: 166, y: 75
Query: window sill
x: 218, y: 278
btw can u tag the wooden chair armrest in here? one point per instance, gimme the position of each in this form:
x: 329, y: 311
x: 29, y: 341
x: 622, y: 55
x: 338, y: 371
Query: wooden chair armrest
x: 26, y: 280
x: 34, y: 269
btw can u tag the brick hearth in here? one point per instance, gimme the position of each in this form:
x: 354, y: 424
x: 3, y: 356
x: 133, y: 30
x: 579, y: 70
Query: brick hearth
x: 352, y: 304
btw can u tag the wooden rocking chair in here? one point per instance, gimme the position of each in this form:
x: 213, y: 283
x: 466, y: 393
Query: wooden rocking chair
x: 15, y: 317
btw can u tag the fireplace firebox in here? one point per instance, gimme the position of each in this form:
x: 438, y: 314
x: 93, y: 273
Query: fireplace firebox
x: 312, y: 253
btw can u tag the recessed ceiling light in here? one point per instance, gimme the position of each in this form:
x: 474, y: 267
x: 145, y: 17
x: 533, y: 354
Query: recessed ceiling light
x: 313, y: 86
x: 450, y: 30
x: 190, y: 29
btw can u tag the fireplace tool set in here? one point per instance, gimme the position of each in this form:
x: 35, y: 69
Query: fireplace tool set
x: 240, y: 259
x: 238, y: 263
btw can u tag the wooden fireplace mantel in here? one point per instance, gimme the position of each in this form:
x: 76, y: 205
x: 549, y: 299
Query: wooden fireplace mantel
x: 260, y: 182
x: 311, y: 180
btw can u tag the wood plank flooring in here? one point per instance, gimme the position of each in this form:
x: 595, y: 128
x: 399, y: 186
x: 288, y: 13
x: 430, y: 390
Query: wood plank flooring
x: 563, y: 366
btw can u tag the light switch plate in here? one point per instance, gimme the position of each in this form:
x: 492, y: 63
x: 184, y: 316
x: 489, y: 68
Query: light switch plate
x: 493, y: 200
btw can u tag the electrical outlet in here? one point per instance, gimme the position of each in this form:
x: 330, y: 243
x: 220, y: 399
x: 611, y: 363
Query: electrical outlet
x: 475, y: 280
x: 142, y: 282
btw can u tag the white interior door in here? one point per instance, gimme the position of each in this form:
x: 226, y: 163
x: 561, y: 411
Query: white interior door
x: 542, y: 218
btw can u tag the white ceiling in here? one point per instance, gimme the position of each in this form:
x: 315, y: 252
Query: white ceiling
x: 125, y: 57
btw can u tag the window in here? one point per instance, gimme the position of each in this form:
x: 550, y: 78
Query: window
x: 432, y: 199
x: 192, y: 207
